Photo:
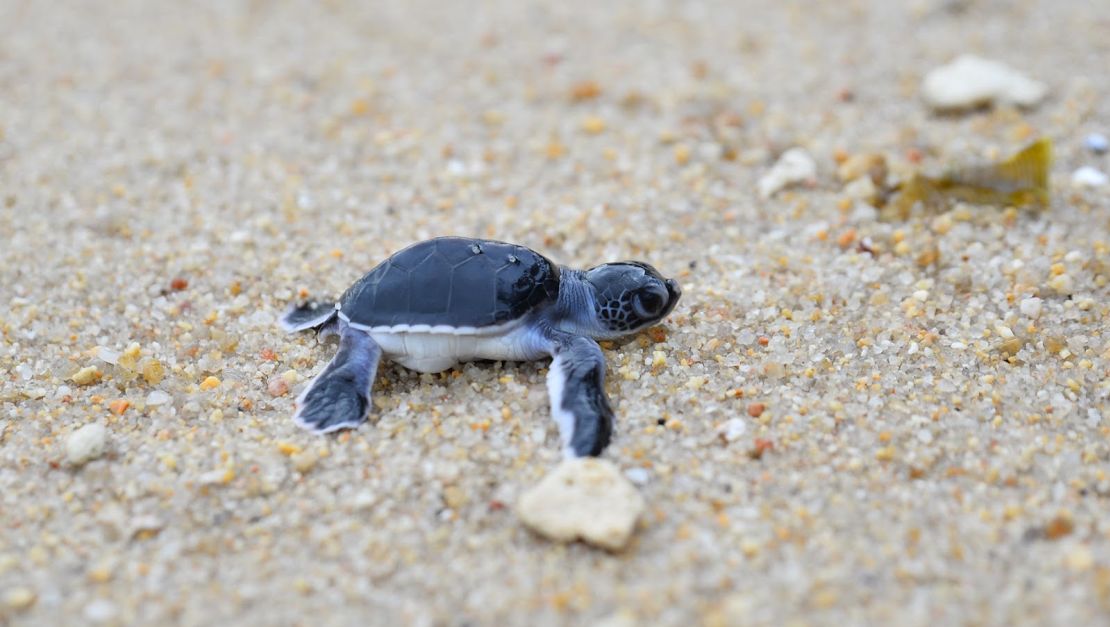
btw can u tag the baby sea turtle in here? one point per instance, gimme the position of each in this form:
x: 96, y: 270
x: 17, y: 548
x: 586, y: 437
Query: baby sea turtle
x: 454, y: 299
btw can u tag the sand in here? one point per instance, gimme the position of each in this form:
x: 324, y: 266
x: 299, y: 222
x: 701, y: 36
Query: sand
x: 845, y: 421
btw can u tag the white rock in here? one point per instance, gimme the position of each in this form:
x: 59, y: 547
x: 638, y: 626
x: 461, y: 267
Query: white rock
x: 213, y: 477
x: 733, y: 430
x: 583, y: 499
x: 639, y: 476
x: 364, y: 500
x: 861, y: 189
x: 622, y: 618
x: 794, y: 167
x: 100, y: 611
x: 146, y: 524
x: 107, y: 355
x: 86, y: 444
x: 157, y: 397
x: 1097, y: 143
x: 1088, y: 177
x: 1031, y: 307
x: 34, y: 393
x: 971, y: 81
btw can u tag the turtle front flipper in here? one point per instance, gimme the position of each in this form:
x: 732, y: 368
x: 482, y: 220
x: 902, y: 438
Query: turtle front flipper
x: 339, y: 397
x: 576, y: 385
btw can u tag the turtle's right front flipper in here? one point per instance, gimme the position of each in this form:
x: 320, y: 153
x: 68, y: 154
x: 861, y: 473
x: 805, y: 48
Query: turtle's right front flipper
x: 339, y: 397
x: 576, y: 385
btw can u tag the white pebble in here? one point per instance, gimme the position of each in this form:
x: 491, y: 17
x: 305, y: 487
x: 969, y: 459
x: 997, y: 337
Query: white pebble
x: 100, y: 611
x: 86, y: 444
x: 107, y: 355
x: 794, y: 167
x: 1094, y: 417
x: 146, y: 524
x: 1031, y: 307
x: 1089, y: 177
x: 1097, y: 143
x: 157, y: 397
x: 213, y: 477
x: 364, y: 500
x: 971, y: 81
x: 639, y: 476
x: 733, y: 429
x: 862, y: 188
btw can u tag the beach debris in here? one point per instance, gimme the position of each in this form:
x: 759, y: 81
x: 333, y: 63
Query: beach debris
x: 583, y: 499
x: 971, y: 81
x: 1087, y: 176
x: 86, y: 444
x: 1019, y: 181
x: 794, y: 167
x: 1097, y: 143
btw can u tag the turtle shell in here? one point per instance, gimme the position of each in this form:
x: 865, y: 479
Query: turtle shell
x: 452, y: 281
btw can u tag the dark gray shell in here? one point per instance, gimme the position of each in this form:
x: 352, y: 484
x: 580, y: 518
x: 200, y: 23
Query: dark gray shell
x: 452, y: 281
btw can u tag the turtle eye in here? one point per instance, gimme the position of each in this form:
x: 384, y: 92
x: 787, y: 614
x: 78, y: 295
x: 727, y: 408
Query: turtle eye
x: 648, y: 303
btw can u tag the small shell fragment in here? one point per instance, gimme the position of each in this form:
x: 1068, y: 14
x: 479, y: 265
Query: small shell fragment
x: 86, y: 444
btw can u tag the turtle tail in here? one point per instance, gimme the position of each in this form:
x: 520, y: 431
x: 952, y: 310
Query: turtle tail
x: 310, y: 315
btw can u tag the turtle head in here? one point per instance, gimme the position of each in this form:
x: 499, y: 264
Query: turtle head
x: 629, y: 296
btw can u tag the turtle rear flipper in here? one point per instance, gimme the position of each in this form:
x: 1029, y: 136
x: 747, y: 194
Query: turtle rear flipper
x: 310, y: 315
x: 339, y: 397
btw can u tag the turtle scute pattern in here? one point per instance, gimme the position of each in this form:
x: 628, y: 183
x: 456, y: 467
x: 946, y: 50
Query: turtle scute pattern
x: 616, y: 315
x: 452, y: 281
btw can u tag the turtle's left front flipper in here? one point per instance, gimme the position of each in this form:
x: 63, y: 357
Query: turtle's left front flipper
x: 576, y: 385
x: 339, y: 397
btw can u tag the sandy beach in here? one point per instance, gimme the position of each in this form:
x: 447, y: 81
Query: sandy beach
x: 846, y: 421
